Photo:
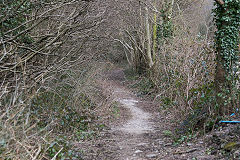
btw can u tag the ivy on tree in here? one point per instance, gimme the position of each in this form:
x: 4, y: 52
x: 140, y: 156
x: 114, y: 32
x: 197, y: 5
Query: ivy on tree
x: 227, y: 18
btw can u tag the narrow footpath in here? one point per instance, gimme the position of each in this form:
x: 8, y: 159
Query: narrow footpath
x: 138, y: 133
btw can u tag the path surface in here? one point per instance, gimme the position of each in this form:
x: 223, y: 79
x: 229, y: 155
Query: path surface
x: 129, y: 135
x: 137, y: 134
x: 139, y: 122
x: 133, y: 131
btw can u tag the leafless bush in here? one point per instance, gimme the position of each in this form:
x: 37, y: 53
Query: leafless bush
x: 46, y: 59
x: 185, y: 65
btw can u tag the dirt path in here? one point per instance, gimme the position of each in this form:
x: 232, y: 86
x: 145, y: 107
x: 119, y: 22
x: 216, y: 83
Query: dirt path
x: 130, y: 132
x: 139, y: 121
x: 137, y: 134
x: 129, y: 135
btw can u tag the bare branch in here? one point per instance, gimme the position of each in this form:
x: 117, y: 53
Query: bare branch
x: 4, y: 51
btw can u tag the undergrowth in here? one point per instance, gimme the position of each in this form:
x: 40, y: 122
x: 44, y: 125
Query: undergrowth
x: 141, y: 84
x: 46, y: 123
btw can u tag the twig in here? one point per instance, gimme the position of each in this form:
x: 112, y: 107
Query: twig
x: 26, y: 149
x: 187, y: 151
x: 54, y: 158
x: 4, y: 50
x: 38, y: 152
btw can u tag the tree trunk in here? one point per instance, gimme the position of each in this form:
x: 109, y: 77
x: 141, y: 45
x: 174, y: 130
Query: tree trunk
x: 154, y: 33
x: 226, y: 58
x: 220, y: 84
x: 149, y: 56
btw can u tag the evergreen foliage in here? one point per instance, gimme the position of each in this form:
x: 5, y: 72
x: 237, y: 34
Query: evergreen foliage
x: 14, y: 15
x: 227, y: 19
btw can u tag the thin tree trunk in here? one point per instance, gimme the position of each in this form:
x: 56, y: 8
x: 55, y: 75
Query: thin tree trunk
x: 149, y: 56
x: 154, y: 33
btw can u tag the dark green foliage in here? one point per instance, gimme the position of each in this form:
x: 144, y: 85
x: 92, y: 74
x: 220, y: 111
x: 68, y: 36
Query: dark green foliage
x: 203, y: 100
x: 227, y: 19
x: 166, y: 101
x: 13, y: 15
x: 145, y: 86
x: 165, y: 30
x: 59, y: 107
x: 131, y: 74
x: 65, y: 149
x: 206, y: 94
x: 193, y: 120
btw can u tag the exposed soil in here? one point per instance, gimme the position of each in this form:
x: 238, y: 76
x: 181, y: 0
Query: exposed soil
x: 137, y: 131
